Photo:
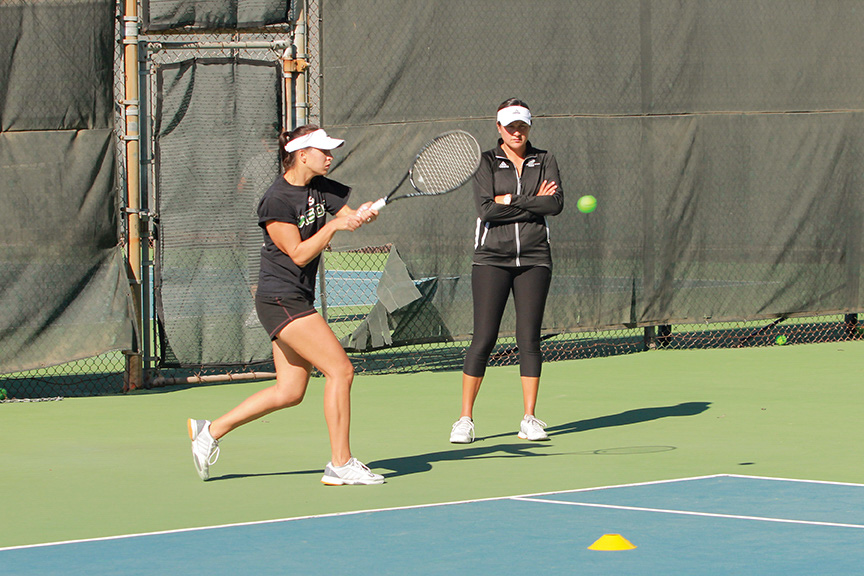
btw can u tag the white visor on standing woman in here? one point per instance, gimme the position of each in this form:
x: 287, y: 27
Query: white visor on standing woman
x: 510, y: 114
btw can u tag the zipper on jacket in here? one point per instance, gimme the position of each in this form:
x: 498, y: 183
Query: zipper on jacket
x: 516, y: 224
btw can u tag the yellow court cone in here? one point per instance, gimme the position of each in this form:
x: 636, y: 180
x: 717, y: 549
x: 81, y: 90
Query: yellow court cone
x: 611, y: 542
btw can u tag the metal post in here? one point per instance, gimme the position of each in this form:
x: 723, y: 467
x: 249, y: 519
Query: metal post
x: 148, y: 313
x: 298, y: 70
x: 134, y: 369
x: 294, y: 66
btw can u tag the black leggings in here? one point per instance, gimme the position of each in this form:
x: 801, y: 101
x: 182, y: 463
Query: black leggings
x: 491, y: 287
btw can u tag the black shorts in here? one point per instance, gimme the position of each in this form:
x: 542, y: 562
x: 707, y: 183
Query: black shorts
x: 276, y: 312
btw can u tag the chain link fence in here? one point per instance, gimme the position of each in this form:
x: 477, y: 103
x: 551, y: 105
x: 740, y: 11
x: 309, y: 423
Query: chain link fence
x: 724, y: 150
x: 217, y: 103
x: 61, y: 132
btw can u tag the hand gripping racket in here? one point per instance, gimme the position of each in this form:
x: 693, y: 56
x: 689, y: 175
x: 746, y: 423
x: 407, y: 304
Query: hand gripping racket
x: 444, y: 164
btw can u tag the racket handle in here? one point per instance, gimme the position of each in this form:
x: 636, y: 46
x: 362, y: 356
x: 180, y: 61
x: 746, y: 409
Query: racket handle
x: 378, y: 204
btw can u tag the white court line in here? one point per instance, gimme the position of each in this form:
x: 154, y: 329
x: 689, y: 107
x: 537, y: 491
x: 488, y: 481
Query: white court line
x: 612, y: 486
x: 689, y: 513
x: 828, y: 482
x: 532, y: 498
x: 337, y: 514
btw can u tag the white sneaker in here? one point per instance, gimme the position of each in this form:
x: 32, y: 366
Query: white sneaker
x: 205, y: 449
x: 532, y: 429
x: 353, y: 472
x: 462, y: 431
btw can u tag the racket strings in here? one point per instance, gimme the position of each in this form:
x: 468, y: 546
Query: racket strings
x: 446, y: 164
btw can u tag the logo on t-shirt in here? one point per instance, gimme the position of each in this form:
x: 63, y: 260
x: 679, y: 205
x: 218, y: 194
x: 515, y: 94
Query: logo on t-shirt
x: 314, y: 212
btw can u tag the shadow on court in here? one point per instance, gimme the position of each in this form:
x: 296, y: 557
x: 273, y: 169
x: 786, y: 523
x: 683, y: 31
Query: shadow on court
x: 631, y: 417
x: 414, y: 464
x: 261, y: 474
x: 622, y: 419
x: 423, y: 462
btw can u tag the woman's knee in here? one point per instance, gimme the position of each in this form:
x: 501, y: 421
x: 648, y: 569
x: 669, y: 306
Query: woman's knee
x: 528, y: 343
x: 341, y: 373
x: 482, y: 344
x: 286, y: 396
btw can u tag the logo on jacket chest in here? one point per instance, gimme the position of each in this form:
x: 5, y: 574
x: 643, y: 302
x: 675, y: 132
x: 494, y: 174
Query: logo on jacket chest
x: 530, y: 164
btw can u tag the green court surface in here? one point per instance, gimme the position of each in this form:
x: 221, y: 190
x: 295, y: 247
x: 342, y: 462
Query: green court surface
x: 107, y: 466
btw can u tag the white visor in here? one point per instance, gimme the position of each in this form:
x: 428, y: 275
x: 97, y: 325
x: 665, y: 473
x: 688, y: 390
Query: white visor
x: 510, y: 114
x: 317, y: 139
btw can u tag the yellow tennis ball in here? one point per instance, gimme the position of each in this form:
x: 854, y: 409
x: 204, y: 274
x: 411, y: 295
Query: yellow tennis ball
x: 781, y: 340
x: 586, y: 204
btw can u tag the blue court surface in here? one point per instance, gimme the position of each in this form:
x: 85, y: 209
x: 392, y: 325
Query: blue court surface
x: 350, y: 288
x: 723, y: 524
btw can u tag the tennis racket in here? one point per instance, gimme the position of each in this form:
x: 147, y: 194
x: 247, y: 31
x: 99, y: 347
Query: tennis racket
x: 444, y: 164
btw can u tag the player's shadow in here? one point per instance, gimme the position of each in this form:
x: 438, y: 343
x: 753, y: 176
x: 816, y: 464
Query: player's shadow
x: 406, y: 465
x: 259, y: 474
x: 423, y: 462
x: 419, y: 463
x: 626, y: 418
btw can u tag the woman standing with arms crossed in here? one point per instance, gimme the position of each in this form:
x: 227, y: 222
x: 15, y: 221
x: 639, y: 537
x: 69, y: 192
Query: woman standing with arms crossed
x: 293, y: 215
x: 516, y: 187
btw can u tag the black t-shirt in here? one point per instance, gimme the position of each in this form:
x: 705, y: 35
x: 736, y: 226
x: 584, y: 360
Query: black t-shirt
x: 306, y: 207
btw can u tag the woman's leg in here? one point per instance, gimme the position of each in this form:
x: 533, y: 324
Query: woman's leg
x: 530, y: 289
x: 305, y: 342
x: 530, y: 390
x: 470, y: 388
x: 312, y: 340
x: 292, y: 377
x: 490, y: 287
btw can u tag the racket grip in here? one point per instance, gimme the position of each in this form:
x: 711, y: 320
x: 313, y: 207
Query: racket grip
x: 378, y: 204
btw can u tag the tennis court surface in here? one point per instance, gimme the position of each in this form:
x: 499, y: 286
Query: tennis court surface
x: 711, y: 525
x: 711, y: 461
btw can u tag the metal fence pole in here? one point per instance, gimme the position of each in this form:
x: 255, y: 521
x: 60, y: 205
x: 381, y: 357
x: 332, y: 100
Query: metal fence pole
x: 133, y: 377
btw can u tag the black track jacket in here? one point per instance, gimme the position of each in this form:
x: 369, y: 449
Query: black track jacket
x: 516, y: 234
